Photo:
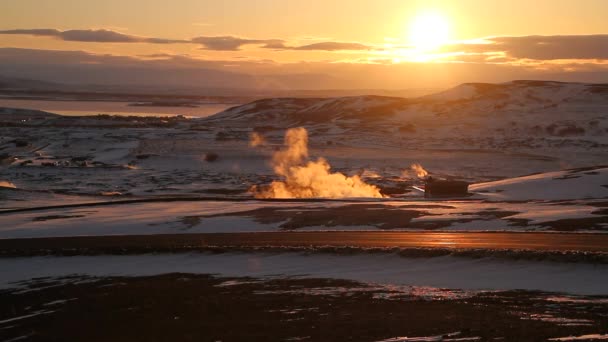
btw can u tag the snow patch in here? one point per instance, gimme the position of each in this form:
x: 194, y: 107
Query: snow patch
x: 558, y: 185
x: 581, y: 338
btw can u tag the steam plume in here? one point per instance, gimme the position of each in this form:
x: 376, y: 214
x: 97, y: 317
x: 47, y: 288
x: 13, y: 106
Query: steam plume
x: 415, y: 170
x: 419, y: 170
x: 256, y: 139
x: 304, y: 178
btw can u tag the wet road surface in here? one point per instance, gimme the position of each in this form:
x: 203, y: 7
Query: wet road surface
x: 531, y: 241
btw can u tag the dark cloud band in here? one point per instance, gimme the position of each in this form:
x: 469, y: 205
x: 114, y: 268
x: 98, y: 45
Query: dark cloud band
x: 92, y: 36
x: 540, y: 47
x: 230, y: 43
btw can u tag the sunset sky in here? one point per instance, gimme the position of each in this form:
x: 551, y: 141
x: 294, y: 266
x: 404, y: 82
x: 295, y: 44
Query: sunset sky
x: 392, y: 42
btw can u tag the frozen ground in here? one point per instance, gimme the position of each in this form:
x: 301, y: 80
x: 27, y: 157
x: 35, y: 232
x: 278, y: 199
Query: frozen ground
x: 171, y: 161
x: 476, y: 132
x: 572, y: 200
x: 208, y: 216
x: 58, y: 161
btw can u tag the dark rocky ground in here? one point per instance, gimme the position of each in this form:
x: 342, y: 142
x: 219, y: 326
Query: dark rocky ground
x: 186, y: 307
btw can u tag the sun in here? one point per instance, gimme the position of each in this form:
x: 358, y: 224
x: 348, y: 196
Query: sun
x: 429, y: 30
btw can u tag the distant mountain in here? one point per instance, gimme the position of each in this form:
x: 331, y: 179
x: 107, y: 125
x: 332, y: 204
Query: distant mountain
x: 25, y: 114
x: 518, y: 114
x: 22, y: 87
x: 11, y: 83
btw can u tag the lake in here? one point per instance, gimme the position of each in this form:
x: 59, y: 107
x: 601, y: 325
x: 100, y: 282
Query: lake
x: 115, y: 108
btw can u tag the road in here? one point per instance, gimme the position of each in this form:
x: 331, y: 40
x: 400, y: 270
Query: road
x: 532, y: 241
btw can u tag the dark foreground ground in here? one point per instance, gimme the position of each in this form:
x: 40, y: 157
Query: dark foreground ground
x: 186, y: 307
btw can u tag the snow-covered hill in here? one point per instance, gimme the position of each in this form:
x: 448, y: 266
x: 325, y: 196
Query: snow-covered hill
x: 309, y: 111
x: 519, y: 115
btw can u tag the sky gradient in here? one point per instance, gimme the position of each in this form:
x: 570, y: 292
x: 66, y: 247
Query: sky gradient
x: 497, y: 40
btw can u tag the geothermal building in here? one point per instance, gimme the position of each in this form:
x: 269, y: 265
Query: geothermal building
x: 445, y: 188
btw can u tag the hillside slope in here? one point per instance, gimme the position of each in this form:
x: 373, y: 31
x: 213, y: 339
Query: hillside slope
x: 519, y: 115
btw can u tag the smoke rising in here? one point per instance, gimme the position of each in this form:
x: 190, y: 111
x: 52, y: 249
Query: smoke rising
x: 304, y: 178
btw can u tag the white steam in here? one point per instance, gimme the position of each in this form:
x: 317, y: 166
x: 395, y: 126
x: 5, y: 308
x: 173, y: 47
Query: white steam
x: 303, y: 178
x: 420, y: 171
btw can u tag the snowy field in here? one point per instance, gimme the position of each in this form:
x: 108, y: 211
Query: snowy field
x: 208, y: 216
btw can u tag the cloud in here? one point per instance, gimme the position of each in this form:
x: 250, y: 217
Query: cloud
x: 333, y: 46
x: 491, y: 57
x: 92, y: 36
x: 230, y: 43
x: 34, y: 32
x: 540, y: 47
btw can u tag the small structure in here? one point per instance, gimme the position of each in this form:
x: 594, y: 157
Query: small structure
x: 445, y: 188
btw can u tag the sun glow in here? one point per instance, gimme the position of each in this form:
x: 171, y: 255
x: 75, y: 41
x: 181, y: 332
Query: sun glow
x: 428, y: 31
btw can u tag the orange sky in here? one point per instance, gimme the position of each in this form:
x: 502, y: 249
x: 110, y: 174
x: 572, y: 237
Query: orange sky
x: 317, y: 31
